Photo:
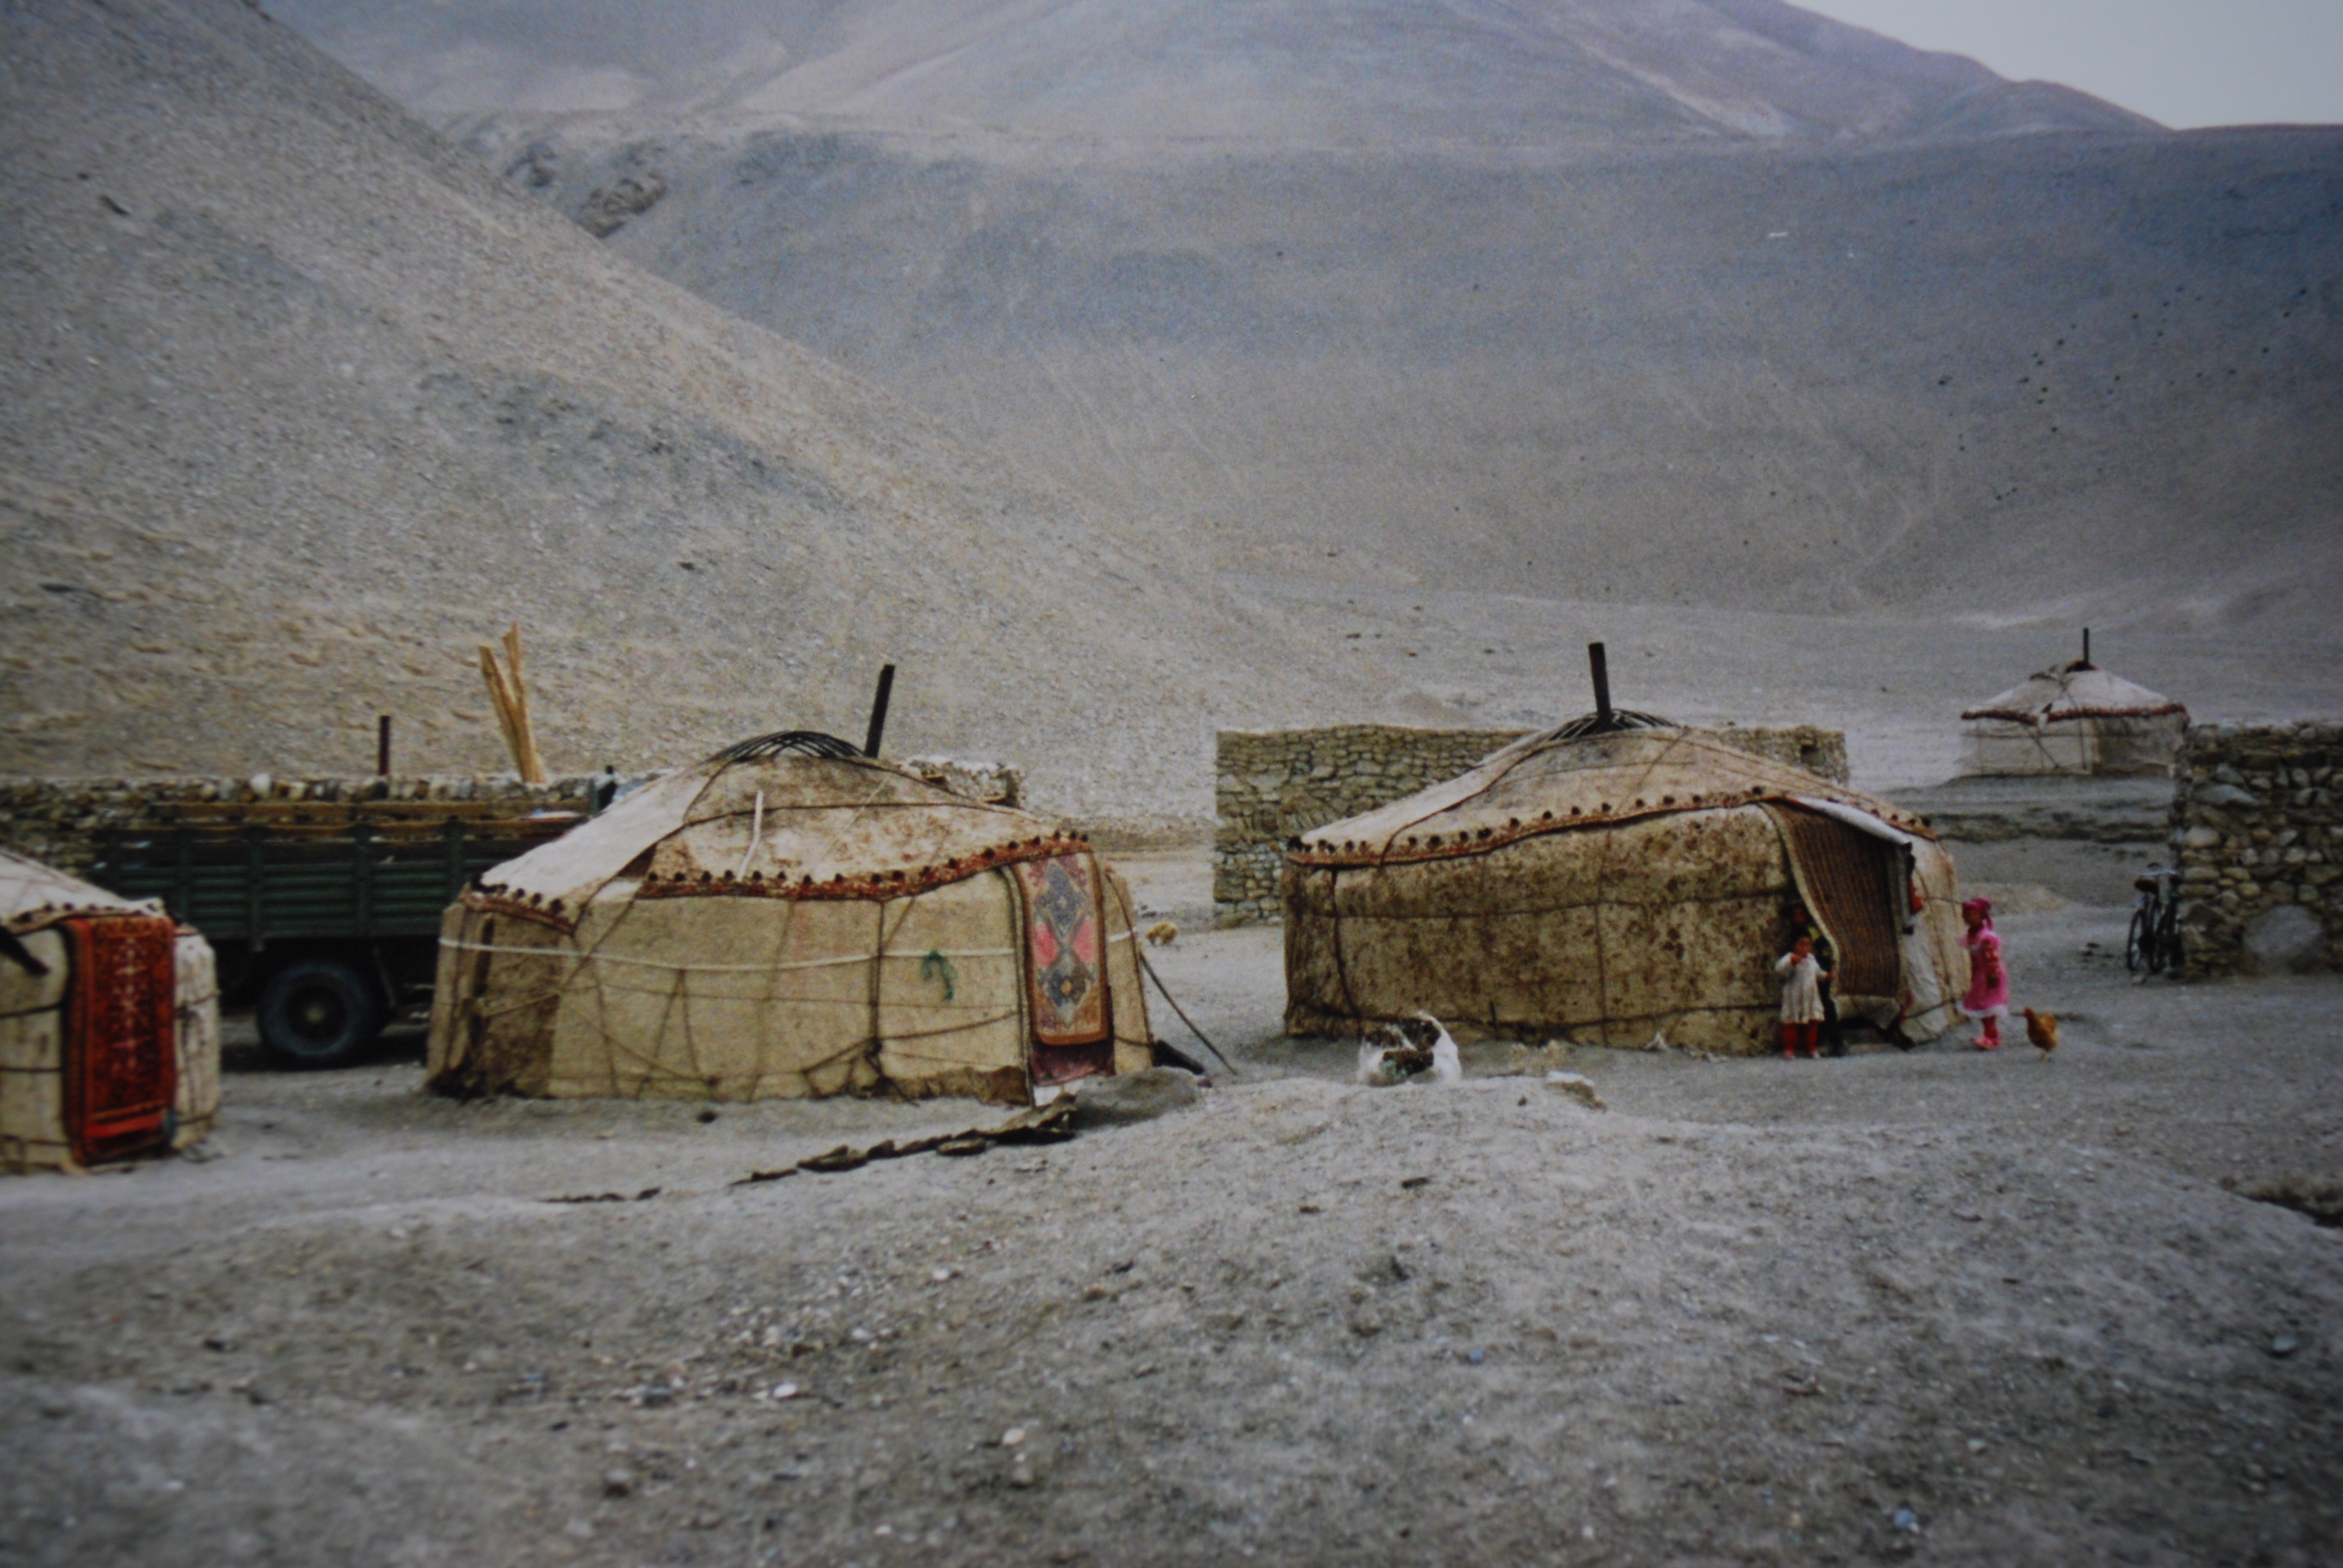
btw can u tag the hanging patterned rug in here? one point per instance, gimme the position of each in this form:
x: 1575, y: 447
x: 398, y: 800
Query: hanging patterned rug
x: 120, y: 1016
x: 1855, y: 884
x: 1066, y: 969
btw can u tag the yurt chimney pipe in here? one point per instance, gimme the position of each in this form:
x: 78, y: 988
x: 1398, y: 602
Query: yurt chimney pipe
x: 2086, y: 648
x: 879, y: 711
x: 1601, y: 666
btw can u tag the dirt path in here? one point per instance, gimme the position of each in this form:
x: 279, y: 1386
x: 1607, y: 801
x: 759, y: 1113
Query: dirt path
x: 1748, y: 1315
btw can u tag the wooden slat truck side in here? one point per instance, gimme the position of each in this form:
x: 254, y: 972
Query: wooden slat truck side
x: 324, y: 914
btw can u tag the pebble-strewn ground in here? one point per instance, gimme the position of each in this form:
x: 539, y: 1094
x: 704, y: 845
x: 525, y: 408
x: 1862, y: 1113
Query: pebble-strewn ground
x: 1750, y: 1313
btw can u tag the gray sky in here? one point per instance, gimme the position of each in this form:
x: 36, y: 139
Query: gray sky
x: 2184, y: 61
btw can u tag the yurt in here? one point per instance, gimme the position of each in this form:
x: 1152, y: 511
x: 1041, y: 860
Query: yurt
x: 1611, y: 881
x: 792, y: 919
x: 2075, y: 719
x: 110, y: 1025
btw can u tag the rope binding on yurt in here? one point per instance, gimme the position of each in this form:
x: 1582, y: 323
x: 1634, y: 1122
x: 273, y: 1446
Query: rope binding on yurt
x: 1166, y: 994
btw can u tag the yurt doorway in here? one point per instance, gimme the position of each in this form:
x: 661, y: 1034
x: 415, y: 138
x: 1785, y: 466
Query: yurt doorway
x: 1855, y: 883
x: 121, y: 1023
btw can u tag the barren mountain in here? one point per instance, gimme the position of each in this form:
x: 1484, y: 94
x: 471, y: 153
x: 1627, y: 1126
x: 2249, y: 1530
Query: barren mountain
x: 301, y: 403
x: 1275, y: 74
x: 1688, y: 304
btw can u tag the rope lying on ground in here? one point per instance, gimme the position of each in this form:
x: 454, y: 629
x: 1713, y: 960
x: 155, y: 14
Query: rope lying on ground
x: 1051, y: 1123
x: 1190, y: 1022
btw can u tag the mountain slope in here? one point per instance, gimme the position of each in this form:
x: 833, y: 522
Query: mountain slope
x: 1709, y: 301
x: 301, y: 403
x: 2075, y: 372
x: 1392, y: 75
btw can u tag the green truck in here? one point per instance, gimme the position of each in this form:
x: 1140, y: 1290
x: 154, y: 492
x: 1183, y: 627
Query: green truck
x: 325, y: 916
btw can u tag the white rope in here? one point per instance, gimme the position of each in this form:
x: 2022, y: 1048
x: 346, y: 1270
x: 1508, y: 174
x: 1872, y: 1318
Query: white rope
x: 717, y: 969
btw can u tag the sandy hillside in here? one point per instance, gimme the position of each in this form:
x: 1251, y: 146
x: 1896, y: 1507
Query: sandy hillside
x: 1945, y: 1307
x: 301, y: 403
x: 1723, y: 304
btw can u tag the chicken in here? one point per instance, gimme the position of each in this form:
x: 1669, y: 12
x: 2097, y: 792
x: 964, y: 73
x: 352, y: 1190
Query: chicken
x: 1162, y: 934
x: 2042, y: 1029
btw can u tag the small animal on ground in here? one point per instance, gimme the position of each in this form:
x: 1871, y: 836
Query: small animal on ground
x: 1162, y: 934
x: 2042, y: 1029
x: 1447, y: 1067
x: 1406, y: 1049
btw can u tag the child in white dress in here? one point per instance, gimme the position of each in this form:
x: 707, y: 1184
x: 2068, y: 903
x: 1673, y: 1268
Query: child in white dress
x: 1801, y: 998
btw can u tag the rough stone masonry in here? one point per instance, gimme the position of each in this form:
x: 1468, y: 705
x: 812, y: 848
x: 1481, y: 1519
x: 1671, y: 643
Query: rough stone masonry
x: 2260, y: 835
x: 63, y: 822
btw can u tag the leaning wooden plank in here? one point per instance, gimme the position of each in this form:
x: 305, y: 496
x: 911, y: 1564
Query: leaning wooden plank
x: 501, y: 700
x: 532, y: 766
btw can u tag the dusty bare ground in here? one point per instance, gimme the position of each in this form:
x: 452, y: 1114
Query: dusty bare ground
x: 1747, y: 1314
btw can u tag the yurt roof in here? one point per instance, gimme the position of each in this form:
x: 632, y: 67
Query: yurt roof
x: 32, y: 896
x: 829, y: 824
x: 2077, y: 690
x: 1559, y: 782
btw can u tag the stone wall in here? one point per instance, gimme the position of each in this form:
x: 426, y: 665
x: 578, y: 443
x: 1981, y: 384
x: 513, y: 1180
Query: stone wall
x: 60, y: 822
x: 1277, y: 783
x: 2261, y: 833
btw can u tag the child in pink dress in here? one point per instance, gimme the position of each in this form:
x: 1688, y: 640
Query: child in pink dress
x: 1988, y: 994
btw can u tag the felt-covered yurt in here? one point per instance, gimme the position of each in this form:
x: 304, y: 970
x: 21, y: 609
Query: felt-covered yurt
x: 110, y: 1025
x: 2075, y: 719
x: 1617, y: 878
x: 792, y: 919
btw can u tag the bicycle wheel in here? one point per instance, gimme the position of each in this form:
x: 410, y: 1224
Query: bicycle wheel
x: 2136, y: 941
x: 2167, y: 939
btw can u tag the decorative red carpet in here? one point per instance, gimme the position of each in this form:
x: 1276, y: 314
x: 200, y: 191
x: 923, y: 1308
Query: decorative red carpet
x: 121, y: 1064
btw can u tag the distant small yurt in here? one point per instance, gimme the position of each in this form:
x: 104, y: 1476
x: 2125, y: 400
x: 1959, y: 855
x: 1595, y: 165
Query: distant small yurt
x: 2075, y: 719
x: 110, y: 1025
x: 1613, y: 880
x: 792, y: 919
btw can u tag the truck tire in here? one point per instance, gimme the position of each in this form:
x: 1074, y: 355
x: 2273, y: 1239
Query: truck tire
x: 319, y: 1013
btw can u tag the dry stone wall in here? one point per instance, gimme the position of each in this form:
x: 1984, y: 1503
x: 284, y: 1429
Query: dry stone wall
x: 62, y: 822
x: 1274, y: 784
x: 2260, y: 835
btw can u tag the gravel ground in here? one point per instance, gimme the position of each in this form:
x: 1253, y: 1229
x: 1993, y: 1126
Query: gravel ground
x: 1754, y: 1312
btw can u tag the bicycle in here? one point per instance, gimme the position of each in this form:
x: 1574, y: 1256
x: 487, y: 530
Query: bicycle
x: 2153, y: 939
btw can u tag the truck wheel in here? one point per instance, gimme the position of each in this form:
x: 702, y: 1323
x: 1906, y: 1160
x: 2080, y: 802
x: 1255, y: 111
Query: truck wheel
x: 318, y: 1012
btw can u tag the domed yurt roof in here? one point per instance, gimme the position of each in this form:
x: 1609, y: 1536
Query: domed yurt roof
x: 1617, y: 880
x: 789, y: 919
x: 1570, y: 778
x: 794, y: 814
x: 109, y: 1024
x: 2072, y: 691
x: 32, y: 896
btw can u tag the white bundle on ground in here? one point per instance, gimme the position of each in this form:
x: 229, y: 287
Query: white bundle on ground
x: 1447, y: 1067
x: 1400, y: 1052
